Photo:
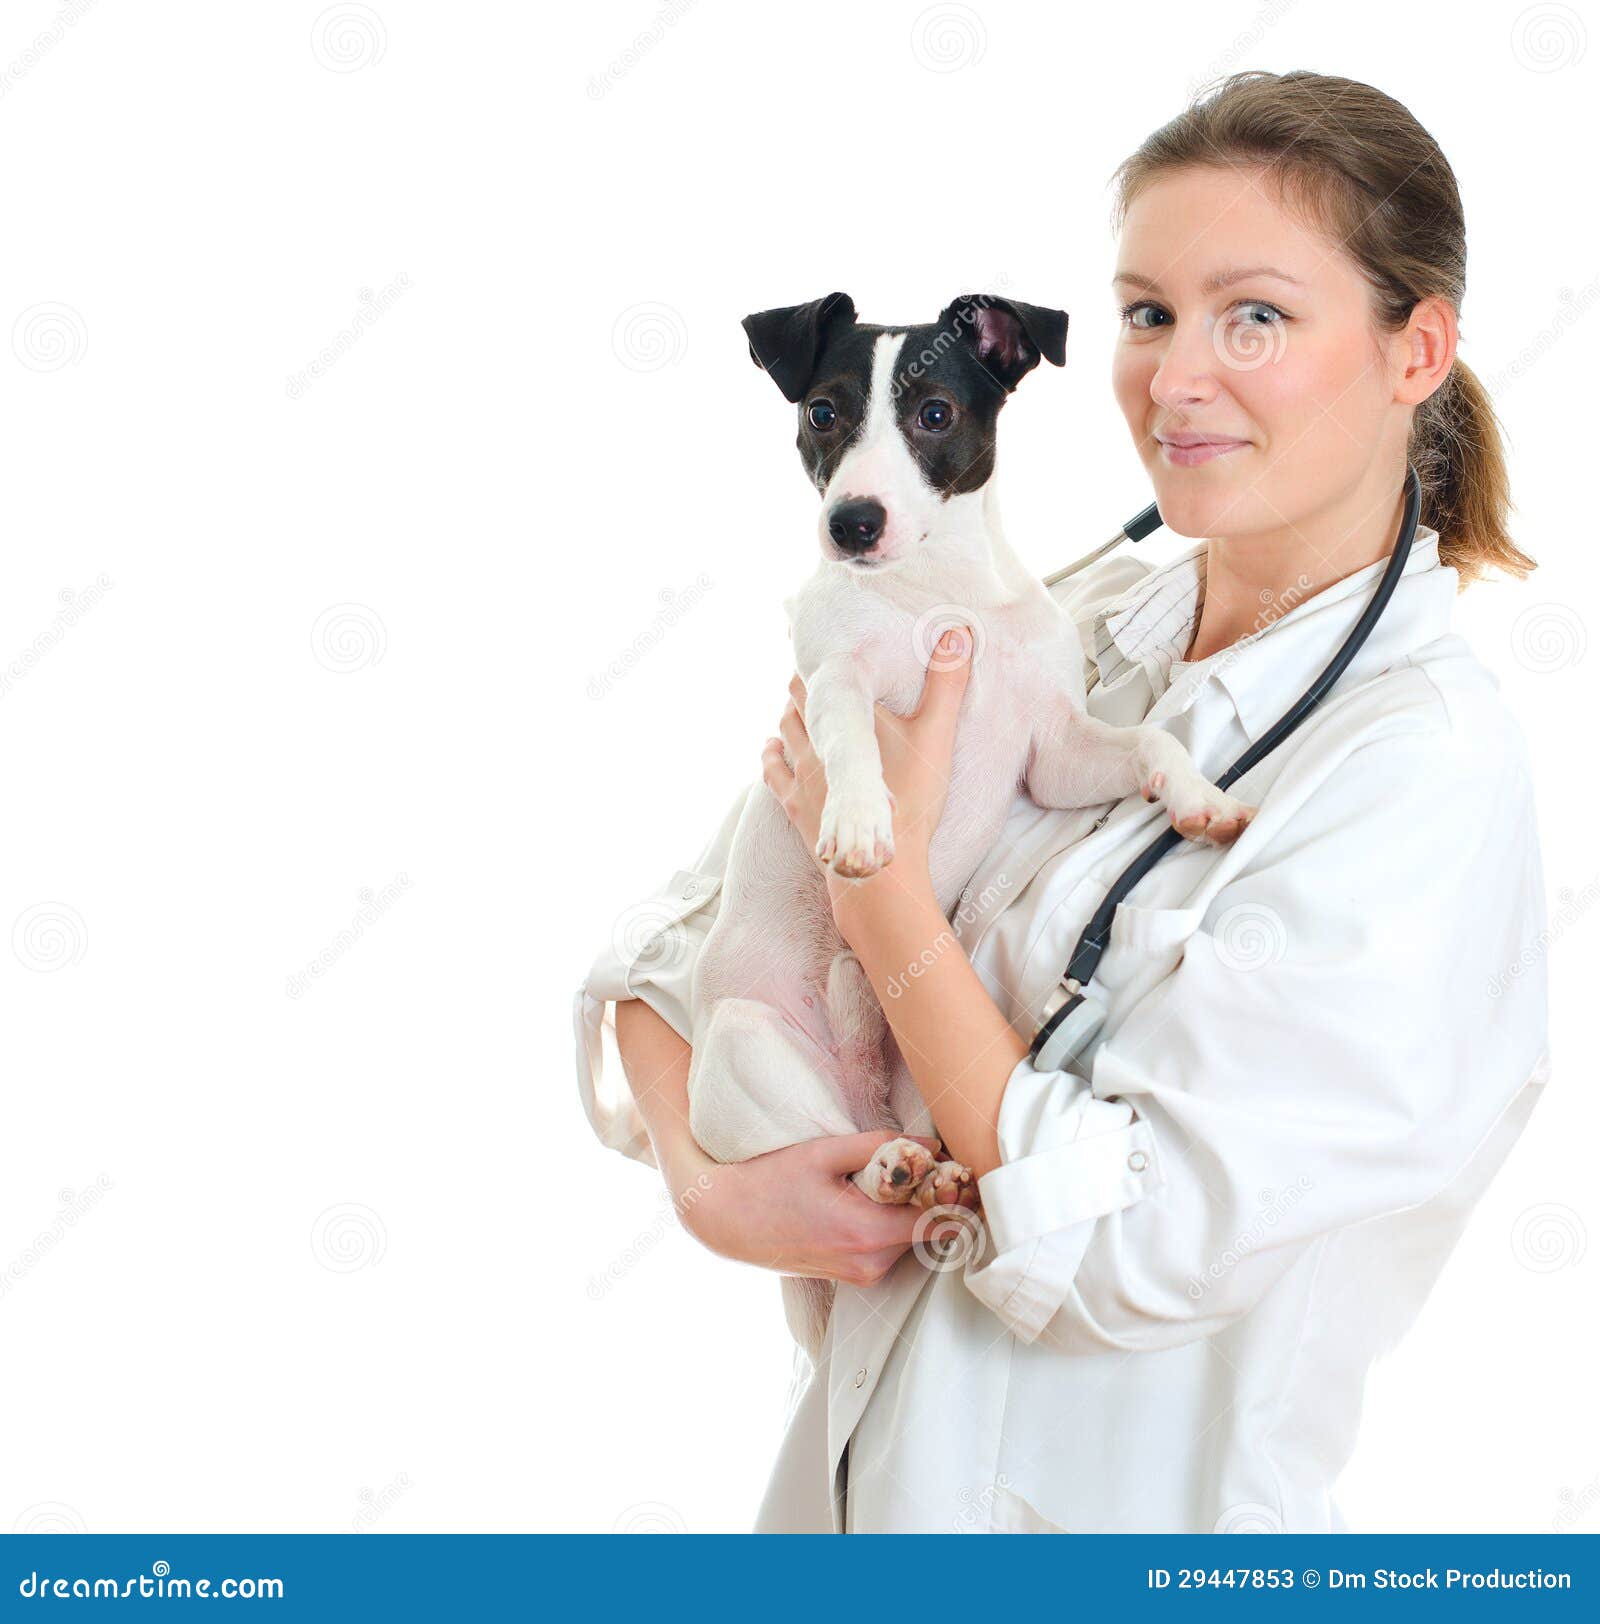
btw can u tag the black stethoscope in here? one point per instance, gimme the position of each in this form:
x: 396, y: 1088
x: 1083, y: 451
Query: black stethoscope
x: 1072, y: 1015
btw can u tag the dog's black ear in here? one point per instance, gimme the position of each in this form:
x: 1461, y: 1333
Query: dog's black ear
x: 1007, y: 335
x: 787, y: 341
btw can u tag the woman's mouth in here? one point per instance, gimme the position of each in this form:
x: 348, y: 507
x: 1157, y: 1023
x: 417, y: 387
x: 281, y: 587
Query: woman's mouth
x: 1190, y: 450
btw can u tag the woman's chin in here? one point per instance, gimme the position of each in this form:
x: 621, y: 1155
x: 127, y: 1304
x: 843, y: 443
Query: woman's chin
x: 1187, y: 514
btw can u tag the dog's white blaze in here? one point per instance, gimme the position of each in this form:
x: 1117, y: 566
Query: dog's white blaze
x: 880, y: 393
x: 880, y: 464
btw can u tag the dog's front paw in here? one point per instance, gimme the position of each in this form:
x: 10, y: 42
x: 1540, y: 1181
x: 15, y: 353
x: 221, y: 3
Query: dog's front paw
x: 856, y: 836
x: 896, y: 1172
x: 1197, y: 808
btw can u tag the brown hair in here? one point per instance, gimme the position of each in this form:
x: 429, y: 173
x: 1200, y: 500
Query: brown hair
x: 1359, y: 166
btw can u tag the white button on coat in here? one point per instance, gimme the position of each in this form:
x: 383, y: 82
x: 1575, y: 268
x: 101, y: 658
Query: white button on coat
x: 1319, y: 1045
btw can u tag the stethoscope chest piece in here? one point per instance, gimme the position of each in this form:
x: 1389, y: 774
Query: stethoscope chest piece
x: 1072, y: 1021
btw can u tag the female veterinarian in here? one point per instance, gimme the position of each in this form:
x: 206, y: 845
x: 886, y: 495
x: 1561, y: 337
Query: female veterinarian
x: 1320, y: 1041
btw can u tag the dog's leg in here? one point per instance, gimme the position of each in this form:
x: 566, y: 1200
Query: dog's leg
x: 901, y: 1171
x: 857, y: 831
x: 1079, y: 760
x: 758, y: 1083
x: 860, y: 1032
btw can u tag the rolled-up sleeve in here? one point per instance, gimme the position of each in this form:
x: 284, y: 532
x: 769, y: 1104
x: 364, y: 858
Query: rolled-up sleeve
x: 651, y: 955
x: 1359, y: 1006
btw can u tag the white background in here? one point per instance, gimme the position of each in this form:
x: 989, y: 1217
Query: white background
x: 317, y: 1262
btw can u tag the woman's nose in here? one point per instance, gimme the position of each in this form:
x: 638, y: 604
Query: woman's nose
x: 1187, y: 373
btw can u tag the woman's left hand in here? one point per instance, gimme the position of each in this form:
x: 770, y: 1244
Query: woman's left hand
x: 916, y: 753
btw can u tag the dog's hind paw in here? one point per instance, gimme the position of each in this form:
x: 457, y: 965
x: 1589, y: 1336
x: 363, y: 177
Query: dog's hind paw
x: 898, y: 1169
x: 948, y: 1184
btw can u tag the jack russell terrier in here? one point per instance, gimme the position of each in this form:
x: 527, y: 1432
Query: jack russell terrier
x: 897, y: 433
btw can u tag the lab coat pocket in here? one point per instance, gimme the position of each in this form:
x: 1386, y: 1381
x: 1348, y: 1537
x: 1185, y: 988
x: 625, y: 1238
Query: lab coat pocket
x: 1146, y: 946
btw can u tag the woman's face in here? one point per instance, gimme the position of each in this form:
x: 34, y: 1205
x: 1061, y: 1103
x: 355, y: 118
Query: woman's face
x: 1247, y: 367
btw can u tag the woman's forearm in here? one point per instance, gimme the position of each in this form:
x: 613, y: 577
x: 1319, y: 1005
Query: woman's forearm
x: 655, y: 1061
x: 958, y: 1046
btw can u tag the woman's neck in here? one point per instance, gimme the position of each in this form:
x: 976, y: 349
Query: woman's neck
x: 1255, y: 579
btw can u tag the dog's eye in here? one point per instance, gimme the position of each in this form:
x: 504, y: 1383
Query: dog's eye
x: 822, y: 415
x: 936, y: 415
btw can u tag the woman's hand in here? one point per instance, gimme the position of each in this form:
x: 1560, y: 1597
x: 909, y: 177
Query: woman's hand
x: 916, y: 752
x: 794, y: 1210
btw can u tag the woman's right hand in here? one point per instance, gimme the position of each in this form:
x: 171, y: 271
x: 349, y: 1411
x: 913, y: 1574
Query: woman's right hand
x: 796, y: 1211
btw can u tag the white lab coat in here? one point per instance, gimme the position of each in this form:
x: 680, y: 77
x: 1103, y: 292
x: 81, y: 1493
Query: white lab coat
x: 1319, y: 1045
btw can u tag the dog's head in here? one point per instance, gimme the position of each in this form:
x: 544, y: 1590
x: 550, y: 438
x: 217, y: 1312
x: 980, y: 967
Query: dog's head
x: 897, y: 424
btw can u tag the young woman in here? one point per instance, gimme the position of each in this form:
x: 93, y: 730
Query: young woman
x: 1319, y: 1042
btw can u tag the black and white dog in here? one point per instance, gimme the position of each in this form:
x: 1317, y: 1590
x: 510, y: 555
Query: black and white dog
x: 897, y: 432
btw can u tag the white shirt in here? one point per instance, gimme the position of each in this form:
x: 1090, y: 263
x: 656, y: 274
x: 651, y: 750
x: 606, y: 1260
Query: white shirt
x: 1319, y: 1045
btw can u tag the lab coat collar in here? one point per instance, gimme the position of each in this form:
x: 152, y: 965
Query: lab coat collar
x: 1150, y: 624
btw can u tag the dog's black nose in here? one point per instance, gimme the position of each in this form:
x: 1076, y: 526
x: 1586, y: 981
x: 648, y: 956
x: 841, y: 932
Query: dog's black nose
x: 856, y: 526
x: 900, y: 1175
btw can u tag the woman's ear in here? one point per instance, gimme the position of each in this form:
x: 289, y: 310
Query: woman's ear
x: 787, y: 341
x: 1008, y: 336
x: 1430, y: 338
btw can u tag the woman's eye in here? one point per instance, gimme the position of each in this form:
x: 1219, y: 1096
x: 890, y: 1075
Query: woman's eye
x: 1133, y: 314
x: 822, y: 415
x: 936, y: 415
x: 1260, y: 314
